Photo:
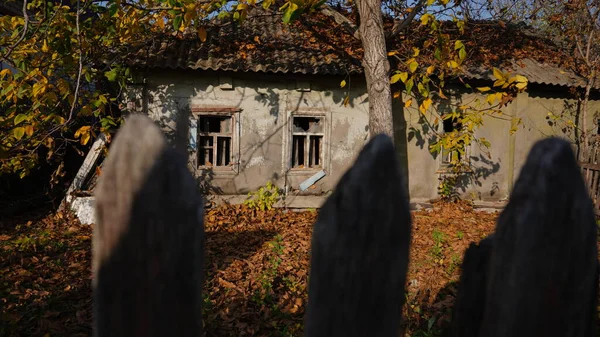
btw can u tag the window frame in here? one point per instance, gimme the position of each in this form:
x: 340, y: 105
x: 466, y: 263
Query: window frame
x: 325, y: 116
x: 444, y: 166
x: 219, y: 112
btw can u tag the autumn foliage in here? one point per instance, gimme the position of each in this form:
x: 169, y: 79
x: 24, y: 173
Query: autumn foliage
x: 256, y: 277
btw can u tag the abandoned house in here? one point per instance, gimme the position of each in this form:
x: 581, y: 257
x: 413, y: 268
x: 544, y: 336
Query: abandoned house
x: 265, y: 104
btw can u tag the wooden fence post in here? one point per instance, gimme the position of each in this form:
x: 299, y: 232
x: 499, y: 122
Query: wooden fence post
x: 360, y: 249
x: 148, y: 239
x: 542, y: 276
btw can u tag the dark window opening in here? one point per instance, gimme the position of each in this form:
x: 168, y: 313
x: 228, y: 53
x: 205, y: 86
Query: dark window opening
x: 307, y: 142
x: 450, y: 125
x: 214, y: 134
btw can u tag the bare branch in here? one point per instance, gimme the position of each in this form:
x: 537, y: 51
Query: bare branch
x: 401, y: 25
x: 80, y: 65
x: 340, y: 19
x: 22, y: 37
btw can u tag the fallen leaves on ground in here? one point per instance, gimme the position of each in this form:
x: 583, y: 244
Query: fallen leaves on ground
x: 256, y: 265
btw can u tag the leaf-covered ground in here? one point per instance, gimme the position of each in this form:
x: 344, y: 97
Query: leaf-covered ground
x: 257, y: 264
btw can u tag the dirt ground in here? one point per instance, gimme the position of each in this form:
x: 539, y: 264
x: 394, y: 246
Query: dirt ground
x: 256, y: 265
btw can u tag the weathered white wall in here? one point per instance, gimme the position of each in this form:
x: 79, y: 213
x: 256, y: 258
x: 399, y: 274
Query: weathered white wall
x: 267, y: 102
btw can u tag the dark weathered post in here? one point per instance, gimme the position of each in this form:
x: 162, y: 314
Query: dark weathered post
x: 542, y: 277
x: 148, y: 239
x: 360, y: 249
x: 467, y: 313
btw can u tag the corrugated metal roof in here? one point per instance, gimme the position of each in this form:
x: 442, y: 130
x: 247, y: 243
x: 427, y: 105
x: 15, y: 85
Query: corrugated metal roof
x: 535, y: 72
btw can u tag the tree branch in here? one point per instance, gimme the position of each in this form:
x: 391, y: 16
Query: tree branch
x: 340, y: 19
x: 401, y: 25
x: 80, y: 65
x: 22, y: 37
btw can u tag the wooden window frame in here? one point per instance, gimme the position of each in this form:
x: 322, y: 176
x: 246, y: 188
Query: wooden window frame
x: 325, y: 116
x: 228, y: 112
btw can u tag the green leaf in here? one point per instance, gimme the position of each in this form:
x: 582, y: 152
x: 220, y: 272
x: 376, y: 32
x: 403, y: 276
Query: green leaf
x: 287, y: 16
x: 20, y: 118
x: 177, y: 21
x: 111, y: 75
x: 88, y: 76
x: 409, y: 85
x: 462, y: 54
x: 18, y: 132
x: 438, y: 54
x: 413, y: 66
x: 112, y: 9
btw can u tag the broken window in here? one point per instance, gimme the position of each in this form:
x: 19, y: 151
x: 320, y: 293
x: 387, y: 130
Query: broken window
x: 307, y: 142
x: 215, y: 138
x: 450, y: 125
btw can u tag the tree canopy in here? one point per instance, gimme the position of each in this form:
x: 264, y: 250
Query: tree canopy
x: 64, y: 71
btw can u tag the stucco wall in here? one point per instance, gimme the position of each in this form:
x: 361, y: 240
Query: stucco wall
x: 267, y: 103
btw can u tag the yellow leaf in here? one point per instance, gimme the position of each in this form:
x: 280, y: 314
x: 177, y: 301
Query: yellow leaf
x: 416, y: 52
x: 343, y: 84
x: 413, y: 66
x: 425, y: 105
x: 498, y: 83
x: 160, y: 21
x: 4, y: 72
x: 497, y: 73
x: 521, y: 79
x: 82, y: 130
x: 430, y: 70
x: 426, y: 18
x: 397, y: 94
x: 346, y: 100
x: 392, y: 53
x: 408, y: 103
x: 45, y: 46
x: 85, y: 138
x: 521, y: 85
x: 452, y: 64
x: 202, y: 34
x: 399, y: 77
x: 484, y: 89
x: 458, y: 44
x: 441, y: 93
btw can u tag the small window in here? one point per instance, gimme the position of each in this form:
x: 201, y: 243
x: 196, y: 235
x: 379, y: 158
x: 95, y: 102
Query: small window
x: 450, y: 125
x: 307, y: 142
x: 214, y: 135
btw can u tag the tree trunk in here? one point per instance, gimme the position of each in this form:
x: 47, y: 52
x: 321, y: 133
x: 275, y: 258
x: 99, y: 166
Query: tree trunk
x: 376, y: 67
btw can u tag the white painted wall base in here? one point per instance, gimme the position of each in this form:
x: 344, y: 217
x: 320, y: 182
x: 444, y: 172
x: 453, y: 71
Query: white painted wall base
x: 84, y: 206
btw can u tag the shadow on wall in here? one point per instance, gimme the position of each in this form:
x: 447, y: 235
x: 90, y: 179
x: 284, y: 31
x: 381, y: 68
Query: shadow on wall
x: 260, y: 141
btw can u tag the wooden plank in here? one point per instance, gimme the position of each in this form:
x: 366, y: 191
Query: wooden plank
x: 545, y: 242
x: 147, y: 249
x: 360, y: 250
x: 82, y: 174
x: 590, y: 166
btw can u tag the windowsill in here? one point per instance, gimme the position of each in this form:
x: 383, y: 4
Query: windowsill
x: 219, y: 170
x: 447, y: 169
x: 304, y: 171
